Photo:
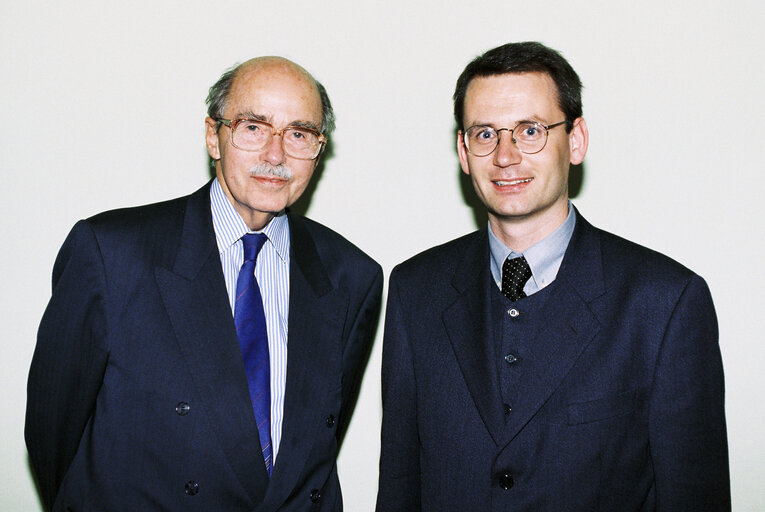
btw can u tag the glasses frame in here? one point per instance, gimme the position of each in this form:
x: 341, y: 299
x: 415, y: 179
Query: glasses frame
x: 512, y: 136
x: 232, y: 124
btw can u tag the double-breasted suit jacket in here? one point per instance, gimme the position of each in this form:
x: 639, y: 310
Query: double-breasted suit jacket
x: 618, y: 405
x: 137, y: 397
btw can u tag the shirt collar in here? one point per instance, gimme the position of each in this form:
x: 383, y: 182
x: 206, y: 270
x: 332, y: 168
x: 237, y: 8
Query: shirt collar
x: 544, y: 257
x: 230, y: 228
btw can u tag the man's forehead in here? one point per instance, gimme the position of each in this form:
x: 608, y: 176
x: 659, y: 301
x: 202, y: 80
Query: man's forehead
x: 254, y: 83
x: 528, y: 95
x: 509, y: 83
x: 274, y: 89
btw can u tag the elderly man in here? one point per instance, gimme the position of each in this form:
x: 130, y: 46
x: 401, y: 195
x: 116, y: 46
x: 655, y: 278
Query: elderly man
x: 204, y: 353
x: 541, y: 363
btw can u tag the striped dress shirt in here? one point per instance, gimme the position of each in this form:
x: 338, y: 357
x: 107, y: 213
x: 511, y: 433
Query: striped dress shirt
x: 272, y: 270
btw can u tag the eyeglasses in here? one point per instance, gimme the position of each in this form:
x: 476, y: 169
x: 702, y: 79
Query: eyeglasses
x: 297, y: 141
x: 529, y: 137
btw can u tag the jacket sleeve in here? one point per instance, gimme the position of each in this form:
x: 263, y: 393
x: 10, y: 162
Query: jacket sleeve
x: 399, y: 487
x: 687, y: 412
x: 68, y: 363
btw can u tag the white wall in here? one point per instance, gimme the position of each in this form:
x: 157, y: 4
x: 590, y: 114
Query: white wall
x: 102, y: 106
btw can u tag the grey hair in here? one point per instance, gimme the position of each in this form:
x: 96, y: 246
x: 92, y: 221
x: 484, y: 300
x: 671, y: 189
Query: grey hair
x: 216, y: 97
x: 218, y: 94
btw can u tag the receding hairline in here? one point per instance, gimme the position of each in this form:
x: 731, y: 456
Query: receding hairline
x: 273, y: 62
x: 273, y: 68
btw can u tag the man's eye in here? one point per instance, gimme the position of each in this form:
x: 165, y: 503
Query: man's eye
x: 251, y: 127
x: 531, y: 131
x: 484, y: 135
x: 302, y: 137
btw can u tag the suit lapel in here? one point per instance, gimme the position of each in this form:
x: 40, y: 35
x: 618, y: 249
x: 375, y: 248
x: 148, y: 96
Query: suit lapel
x: 315, y: 326
x: 194, y: 294
x: 469, y: 325
x: 568, y: 326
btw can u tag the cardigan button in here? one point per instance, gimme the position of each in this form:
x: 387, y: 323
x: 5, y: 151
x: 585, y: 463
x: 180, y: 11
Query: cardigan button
x: 505, y: 481
x: 192, y: 488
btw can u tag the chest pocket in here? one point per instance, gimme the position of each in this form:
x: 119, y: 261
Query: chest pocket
x: 602, y: 408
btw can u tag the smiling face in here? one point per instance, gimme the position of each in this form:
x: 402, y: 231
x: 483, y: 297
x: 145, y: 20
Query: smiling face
x: 526, y: 194
x: 279, y: 92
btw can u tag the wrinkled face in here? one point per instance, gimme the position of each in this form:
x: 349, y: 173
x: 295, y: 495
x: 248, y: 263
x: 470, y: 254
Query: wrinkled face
x: 280, y: 93
x: 514, y: 186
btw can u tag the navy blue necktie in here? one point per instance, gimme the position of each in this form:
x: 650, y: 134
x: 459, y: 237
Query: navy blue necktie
x: 250, y: 320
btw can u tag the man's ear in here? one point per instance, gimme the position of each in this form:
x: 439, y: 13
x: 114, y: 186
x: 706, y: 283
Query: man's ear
x: 462, y: 152
x: 578, y: 139
x: 211, y: 138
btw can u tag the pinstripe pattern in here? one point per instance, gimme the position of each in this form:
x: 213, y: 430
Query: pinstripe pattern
x: 272, y: 273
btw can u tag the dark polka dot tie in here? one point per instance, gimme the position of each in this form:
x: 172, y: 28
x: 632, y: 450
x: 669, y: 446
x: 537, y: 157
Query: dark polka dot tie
x: 515, y: 273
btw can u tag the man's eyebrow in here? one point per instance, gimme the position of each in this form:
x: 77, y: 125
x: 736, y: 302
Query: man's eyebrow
x: 483, y: 123
x: 532, y: 119
x: 249, y: 114
x: 306, y: 124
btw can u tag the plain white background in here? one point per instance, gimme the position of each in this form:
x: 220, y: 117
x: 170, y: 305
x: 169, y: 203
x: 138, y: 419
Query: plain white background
x: 103, y: 105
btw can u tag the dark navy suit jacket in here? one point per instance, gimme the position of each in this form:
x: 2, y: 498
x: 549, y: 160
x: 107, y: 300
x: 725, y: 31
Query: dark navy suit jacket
x: 137, y: 397
x: 620, y: 402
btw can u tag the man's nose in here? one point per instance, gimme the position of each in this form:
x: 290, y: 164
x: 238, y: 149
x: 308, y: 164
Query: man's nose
x: 507, y: 153
x: 274, y: 151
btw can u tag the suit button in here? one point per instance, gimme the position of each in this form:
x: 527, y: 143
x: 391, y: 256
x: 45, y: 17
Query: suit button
x: 506, y: 481
x: 513, y: 312
x: 182, y: 408
x: 315, y: 496
x: 330, y: 421
x: 192, y: 488
x: 507, y: 408
x: 510, y: 358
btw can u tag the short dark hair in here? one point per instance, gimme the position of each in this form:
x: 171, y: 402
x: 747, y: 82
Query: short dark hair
x: 218, y: 94
x: 524, y: 57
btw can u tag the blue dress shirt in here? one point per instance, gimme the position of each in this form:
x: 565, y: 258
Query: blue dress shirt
x: 544, y: 257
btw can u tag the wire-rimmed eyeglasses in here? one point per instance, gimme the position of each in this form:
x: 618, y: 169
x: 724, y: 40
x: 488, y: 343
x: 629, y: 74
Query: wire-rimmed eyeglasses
x: 529, y: 137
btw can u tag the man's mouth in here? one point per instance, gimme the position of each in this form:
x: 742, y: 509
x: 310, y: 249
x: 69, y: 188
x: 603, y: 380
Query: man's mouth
x: 264, y: 171
x: 502, y: 183
x: 271, y: 180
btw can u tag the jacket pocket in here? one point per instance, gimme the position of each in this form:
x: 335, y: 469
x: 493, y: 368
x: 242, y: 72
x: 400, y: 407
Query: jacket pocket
x: 602, y: 408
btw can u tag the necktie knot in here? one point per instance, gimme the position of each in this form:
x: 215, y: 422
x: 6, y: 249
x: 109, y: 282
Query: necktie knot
x: 252, y: 243
x: 515, y: 273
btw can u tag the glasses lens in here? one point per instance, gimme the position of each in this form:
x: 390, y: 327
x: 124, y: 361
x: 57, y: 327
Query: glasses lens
x: 301, y: 143
x: 530, y: 137
x: 251, y: 135
x: 481, y: 140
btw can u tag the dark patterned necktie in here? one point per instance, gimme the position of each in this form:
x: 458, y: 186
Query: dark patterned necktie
x: 515, y: 273
x: 250, y: 320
